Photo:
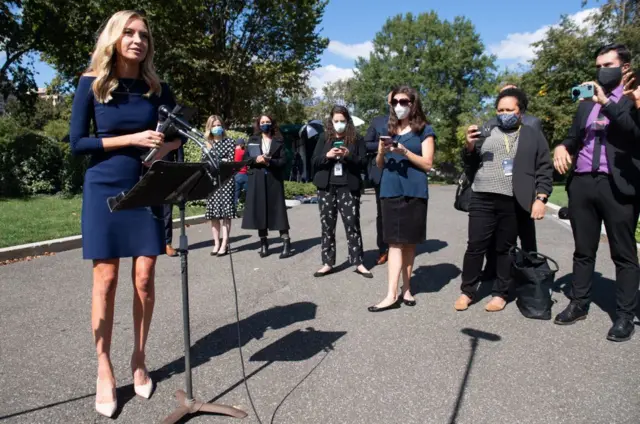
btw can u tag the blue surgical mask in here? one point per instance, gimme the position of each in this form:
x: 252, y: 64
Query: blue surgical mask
x: 508, y: 121
x: 265, y: 128
x: 217, y: 130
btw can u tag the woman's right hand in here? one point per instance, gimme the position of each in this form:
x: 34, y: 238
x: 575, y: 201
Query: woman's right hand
x: 472, y: 136
x: 333, y: 153
x: 147, y: 139
x: 383, y: 148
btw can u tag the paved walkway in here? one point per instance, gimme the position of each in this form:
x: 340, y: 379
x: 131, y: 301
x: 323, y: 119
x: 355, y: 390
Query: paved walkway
x: 313, y: 352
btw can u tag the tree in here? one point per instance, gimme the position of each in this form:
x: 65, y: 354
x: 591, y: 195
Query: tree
x: 220, y: 56
x: 18, y: 38
x: 445, y: 61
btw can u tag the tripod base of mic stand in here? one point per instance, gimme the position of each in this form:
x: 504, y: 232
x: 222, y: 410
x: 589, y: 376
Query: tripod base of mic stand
x: 192, y: 406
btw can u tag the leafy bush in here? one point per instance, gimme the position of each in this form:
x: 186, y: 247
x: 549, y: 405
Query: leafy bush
x: 57, y: 129
x: 293, y: 189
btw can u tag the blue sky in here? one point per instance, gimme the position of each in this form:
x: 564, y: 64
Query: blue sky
x: 506, y: 28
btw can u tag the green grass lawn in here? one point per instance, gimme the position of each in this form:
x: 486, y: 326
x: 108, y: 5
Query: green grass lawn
x: 46, y: 217
x: 559, y: 197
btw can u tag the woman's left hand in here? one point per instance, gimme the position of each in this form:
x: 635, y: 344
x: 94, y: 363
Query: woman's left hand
x: 538, y: 210
x: 401, y: 150
x: 345, y: 152
x: 163, y: 151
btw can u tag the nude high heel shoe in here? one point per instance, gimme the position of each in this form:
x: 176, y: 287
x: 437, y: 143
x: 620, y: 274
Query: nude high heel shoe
x: 109, y: 408
x: 144, y: 390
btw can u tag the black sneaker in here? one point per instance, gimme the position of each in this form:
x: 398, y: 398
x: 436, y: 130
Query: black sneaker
x: 574, y: 312
x: 622, y: 330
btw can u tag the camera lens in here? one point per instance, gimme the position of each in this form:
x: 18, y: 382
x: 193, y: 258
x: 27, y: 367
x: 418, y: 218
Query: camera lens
x: 576, y: 92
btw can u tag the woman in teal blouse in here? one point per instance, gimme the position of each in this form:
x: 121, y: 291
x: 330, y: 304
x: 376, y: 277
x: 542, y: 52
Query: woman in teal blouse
x: 406, y: 158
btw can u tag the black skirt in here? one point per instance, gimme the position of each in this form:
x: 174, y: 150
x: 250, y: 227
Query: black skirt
x: 404, y: 220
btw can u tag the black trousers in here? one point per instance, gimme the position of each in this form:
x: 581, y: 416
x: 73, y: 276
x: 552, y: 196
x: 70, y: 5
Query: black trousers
x: 490, y: 215
x: 340, y: 198
x: 526, y: 233
x: 382, y: 246
x: 592, y: 200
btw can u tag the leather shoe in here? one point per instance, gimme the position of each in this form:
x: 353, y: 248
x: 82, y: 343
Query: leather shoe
x: 382, y: 259
x: 171, y: 251
x: 622, y: 330
x: 572, y: 313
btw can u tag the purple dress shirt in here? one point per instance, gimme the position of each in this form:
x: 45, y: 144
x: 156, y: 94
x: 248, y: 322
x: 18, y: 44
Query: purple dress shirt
x: 585, y: 156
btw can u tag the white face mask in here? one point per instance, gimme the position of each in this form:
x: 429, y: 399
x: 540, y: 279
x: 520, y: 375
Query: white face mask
x: 340, y: 127
x: 401, y: 111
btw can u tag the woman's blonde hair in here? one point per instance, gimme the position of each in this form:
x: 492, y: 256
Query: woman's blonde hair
x: 210, y: 121
x: 103, y: 59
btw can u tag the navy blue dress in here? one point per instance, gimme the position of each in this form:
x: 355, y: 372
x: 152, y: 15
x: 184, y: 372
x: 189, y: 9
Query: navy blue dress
x: 122, y: 234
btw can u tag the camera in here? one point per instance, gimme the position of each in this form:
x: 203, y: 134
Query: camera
x: 582, y: 92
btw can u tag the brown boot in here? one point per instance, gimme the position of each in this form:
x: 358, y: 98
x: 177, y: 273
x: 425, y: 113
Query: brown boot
x: 171, y: 251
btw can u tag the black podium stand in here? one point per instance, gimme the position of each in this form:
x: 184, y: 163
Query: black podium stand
x: 176, y: 183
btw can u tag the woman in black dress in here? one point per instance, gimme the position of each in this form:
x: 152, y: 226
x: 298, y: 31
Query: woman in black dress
x: 220, y: 204
x: 338, y: 160
x: 120, y: 94
x: 265, y: 207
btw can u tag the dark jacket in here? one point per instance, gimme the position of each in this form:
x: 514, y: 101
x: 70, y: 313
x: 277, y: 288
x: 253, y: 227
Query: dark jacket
x: 532, y: 168
x: 377, y: 128
x: 622, y: 145
x: 354, y: 163
x: 265, y: 207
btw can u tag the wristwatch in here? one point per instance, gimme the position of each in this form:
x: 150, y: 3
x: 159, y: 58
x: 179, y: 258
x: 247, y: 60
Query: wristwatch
x: 543, y: 199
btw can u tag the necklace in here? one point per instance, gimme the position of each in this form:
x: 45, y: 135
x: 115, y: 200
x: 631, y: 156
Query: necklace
x: 127, y: 88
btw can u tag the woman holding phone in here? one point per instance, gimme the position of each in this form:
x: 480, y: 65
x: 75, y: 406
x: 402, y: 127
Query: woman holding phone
x: 338, y: 159
x: 406, y: 158
x: 265, y: 207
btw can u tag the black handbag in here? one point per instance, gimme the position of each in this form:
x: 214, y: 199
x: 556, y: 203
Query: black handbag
x: 534, y: 275
x: 463, y: 193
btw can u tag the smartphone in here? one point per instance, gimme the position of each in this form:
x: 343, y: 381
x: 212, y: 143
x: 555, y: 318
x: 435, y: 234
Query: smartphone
x: 483, y: 131
x: 388, y: 141
x: 582, y: 92
x: 338, y: 144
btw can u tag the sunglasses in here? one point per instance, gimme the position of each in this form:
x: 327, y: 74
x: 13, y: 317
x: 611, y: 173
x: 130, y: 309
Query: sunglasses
x: 402, y: 102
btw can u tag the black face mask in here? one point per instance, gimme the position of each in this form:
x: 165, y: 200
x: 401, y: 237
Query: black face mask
x: 609, y: 78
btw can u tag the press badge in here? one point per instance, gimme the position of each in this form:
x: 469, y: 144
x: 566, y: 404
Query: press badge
x: 507, y: 167
x: 337, y: 170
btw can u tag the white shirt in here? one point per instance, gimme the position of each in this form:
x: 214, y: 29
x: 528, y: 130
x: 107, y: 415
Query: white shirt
x: 266, y: 146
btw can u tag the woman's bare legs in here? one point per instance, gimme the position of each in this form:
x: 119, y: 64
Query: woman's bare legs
x: 394, y: 267
x: 226, y: 231
x: 143, y: 276
x: 105, y: 281
x: 215, y: 231
x: 408, y: 256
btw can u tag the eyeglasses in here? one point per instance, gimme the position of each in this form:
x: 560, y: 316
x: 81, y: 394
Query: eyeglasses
x: 402, y: 102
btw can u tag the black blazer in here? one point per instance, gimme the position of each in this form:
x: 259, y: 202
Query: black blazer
x: 354, y: 163
x: 623, y: 142
x: 377, y: 128
x: 532, y: 168
x: 276, y: 151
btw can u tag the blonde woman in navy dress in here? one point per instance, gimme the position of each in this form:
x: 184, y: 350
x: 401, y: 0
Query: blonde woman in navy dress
x: 120, y: 94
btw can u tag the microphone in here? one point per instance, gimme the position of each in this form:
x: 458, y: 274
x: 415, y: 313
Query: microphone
x: 177, y: 120
x: 164, y: 123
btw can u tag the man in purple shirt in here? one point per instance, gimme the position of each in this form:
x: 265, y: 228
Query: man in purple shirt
x: 604, y: 186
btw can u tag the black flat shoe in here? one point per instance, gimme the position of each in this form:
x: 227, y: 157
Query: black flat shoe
x: 319, y: 274
x: 622, y: 330
x: 364, y: 274
x: 225, y: 253
x: 409, y: 302
x: 394, y: 305
x: 214, y: 253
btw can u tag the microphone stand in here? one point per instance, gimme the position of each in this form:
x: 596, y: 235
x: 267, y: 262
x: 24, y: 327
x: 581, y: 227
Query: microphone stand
x: 187, y: 403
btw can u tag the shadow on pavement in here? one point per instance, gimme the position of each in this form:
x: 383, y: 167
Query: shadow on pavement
x: 603, y: 292
x: 297, y: 246
x: 299, y: 345
x: 474, y: 338
x: 433, y: 278
x: 429, y: 246
x: 209, y: 243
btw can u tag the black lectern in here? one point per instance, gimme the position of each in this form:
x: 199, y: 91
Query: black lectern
x: 176, y: 183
